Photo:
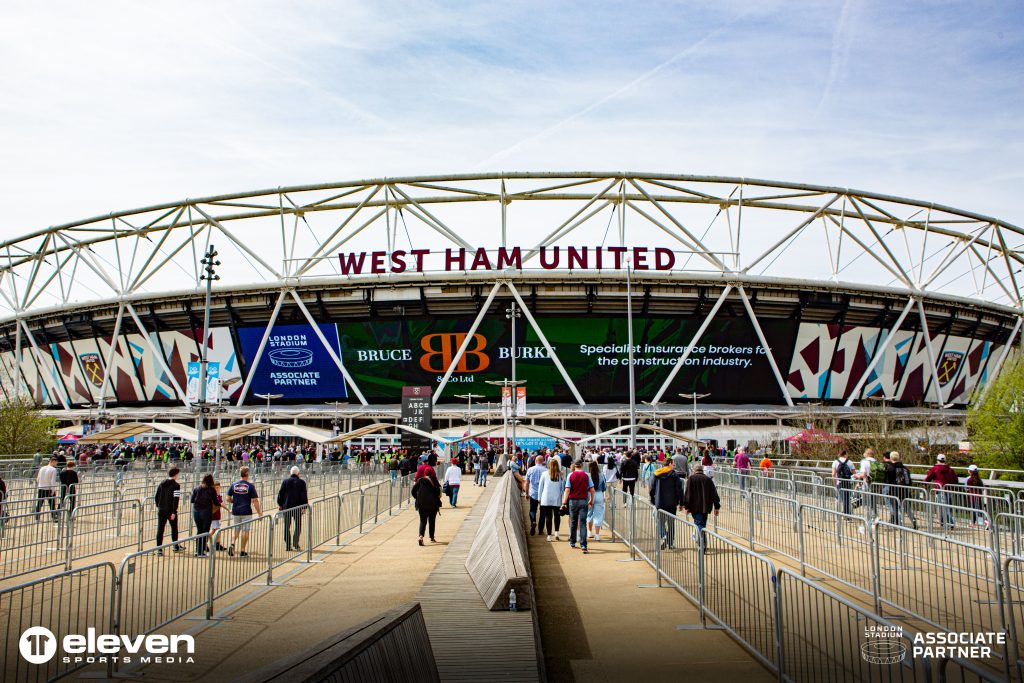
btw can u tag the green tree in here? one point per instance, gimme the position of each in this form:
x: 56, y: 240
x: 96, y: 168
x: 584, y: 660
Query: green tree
x: 23, y: 428
x: 995, y: 424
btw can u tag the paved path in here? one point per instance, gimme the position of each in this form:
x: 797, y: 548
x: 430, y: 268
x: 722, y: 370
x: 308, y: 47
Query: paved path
x: 379, y: 570
x: 470, y: 642
x: 602, y: 618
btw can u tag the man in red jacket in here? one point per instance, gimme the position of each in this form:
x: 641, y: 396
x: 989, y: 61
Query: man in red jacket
x: 943, y: 475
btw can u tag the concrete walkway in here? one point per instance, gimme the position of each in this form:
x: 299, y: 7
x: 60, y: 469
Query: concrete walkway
x: 377, y: 571
x: 603, y: 618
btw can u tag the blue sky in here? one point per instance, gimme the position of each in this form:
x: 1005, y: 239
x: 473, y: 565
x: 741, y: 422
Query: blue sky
x: 110, y: 105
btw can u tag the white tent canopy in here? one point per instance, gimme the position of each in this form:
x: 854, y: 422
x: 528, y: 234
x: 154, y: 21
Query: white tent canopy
x: 129, y: 429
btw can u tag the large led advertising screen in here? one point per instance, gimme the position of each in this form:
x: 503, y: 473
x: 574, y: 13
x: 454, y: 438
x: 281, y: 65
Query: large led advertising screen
x: 817, y: 361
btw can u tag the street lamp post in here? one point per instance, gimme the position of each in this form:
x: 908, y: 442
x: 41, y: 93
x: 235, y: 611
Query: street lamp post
x: 469, y: 413
x: 513, y: 313
x: 505, y: 416
x: 209, y: 275
x: 266, y: 441
x: 629, y: 341
x: 654, y: 420
x: 694, y: 396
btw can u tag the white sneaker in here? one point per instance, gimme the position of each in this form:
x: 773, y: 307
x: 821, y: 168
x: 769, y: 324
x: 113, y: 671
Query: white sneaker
x: 590, y: 534
x: 549, y: 537
x: 597, y: 537
x: 556, y: 535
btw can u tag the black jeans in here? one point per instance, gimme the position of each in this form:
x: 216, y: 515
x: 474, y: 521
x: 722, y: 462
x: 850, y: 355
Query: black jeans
x: 291, y: 536
x: 162, y: 519
x: 629, y: 486
x: 46, y: 495
x: 428, y: 517
x: 547, y: 512
x: 534, y: 505
x: 203, y: 520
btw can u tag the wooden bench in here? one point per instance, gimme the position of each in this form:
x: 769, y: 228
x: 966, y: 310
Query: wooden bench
x: 393, y: 646
x: 498, y: 561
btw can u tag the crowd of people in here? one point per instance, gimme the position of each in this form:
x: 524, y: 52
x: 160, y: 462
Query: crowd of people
x: 558, y: 485
x: 555, y: 483
x: 895, y: 481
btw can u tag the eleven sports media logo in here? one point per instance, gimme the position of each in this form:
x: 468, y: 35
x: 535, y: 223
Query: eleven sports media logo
x: 38, y: 645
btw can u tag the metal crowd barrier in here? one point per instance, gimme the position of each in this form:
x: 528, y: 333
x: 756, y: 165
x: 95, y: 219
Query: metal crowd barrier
x: 87, y: 599
x: 804, y: 632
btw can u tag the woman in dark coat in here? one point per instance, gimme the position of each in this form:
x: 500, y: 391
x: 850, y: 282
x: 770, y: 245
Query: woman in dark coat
x: 427, y: 493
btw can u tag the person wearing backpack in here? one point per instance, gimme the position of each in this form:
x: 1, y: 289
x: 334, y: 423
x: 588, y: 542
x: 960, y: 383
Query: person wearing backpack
x: 897, y: 476
x: 595, y: 516
x: 842, y: 475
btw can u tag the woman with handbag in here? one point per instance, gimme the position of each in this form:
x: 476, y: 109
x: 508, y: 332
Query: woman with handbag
x: 427, y: 494
x: 550, y: 495
x: 452, y: 482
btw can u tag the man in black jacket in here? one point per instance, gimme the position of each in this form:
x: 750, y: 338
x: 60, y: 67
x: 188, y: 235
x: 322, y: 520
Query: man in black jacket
x: 629, y: 471
x: 290, y: 499
x: 701, y: 497
x: 168, y: 493
x: 667, y: 495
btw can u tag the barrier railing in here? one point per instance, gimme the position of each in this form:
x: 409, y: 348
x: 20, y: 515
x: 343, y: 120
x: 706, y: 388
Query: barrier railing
x: 103, y: 527
x: 832, y: 544
x: 87, y: 600
x: 825, y: 637
x: 775, y: 524
x: 955, y: 587
x: 32, y: 542
x: 1013, y: 580
x: 157, y: 586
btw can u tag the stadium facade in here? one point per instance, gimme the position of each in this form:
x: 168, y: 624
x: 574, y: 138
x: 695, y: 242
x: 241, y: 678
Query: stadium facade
x: 764, y: 295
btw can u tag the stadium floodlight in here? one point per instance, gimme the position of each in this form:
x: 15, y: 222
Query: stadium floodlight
x: 694, y: 396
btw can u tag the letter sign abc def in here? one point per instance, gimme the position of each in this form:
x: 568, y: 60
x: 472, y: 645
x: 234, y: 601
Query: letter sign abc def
x: 440, y: 350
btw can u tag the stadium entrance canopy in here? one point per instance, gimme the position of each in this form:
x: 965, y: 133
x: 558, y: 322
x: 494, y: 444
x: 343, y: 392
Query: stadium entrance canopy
x: 760, y: 293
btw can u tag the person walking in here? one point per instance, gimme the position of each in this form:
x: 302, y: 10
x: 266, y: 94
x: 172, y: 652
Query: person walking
x: 648, y: 470
x: 549, y: 493
x: 667, y: 495
x: 69, y: 485
x: 46, y: 488
x: 708, y: 464
x: 578, y: 497
x: 533, y: 477
x: 427, y: 494
x: 393, y: 467
x: 741, y: 461
x: 976, y: 495
x: 291, y: 498
x: 168, y: 495
x: 701, y: 498
x: 595, y: 515
x: 245, y: 504
x: 215, y: 519
x: 898, y: 481
x: 943, y: 475
x: 204, y: 499
x: 842, y: 476
x: 483, y: 464
x: 629, y: 471
x: 452, y: 483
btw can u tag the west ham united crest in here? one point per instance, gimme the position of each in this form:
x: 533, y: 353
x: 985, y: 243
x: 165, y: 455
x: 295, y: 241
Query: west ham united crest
x: 93, y: 368
x: 948, y: 366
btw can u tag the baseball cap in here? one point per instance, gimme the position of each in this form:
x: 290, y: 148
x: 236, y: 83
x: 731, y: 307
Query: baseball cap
x: 972, y: 468
x: 940, y: 457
